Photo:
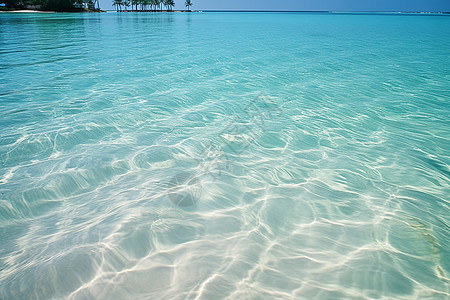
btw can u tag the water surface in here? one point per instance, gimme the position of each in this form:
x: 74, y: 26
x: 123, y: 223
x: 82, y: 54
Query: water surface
x: 224, y: 155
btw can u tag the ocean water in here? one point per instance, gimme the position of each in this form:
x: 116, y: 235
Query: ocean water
x: 224, y: 156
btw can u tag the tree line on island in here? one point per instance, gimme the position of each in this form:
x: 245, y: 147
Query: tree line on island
x: 90, y: 5
x: 147, y: 5
x: 52, y: 5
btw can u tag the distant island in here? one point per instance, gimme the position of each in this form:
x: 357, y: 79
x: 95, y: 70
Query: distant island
x: 147, y: 5
x: 51, y: 5
x: 89, y: 5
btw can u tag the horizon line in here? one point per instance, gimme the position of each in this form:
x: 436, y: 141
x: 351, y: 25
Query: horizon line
x: 323, y: 11
x: 307, y: 11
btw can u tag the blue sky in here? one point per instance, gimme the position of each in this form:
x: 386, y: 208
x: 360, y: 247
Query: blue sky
x: 328, y: 5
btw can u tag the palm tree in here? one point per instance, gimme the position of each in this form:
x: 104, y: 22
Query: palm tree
x: 153, y: 4
x: 188, y: 4
x: 168, y: 4
x: 134, y: 2
x: 117, y: 4
x: 141, y: 3
x: 147, y: 3
x: 126, y: 3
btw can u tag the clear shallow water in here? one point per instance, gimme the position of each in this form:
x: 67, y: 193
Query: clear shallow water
x: 224, y: 155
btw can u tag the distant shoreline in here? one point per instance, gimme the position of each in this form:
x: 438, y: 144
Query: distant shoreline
x: 155, y: 11
x: 47, y: 11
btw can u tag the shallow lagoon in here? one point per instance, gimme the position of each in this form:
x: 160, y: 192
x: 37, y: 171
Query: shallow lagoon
x: 215, y: 155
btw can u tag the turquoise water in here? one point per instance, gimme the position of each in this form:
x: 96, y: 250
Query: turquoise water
x: 224, y: 155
